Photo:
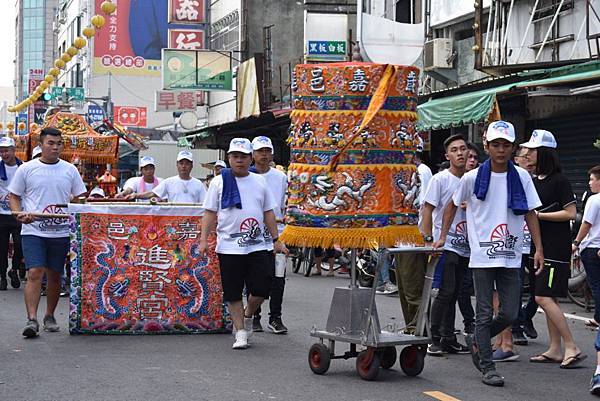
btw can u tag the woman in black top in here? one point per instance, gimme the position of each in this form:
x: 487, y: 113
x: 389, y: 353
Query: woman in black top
x: 558, y: 208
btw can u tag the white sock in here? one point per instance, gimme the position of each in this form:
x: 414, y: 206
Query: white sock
x: 597, y: 370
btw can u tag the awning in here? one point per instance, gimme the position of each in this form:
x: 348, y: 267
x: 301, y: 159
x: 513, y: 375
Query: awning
x: 475, y: 107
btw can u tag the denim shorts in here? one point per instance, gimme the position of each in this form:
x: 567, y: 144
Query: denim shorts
x: 50, y: 253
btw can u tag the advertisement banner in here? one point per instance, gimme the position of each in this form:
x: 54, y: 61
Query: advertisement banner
x: 200, y: 69
x: 176, y: 100
x: 22, y: 117
x: 131, y: 41
x: 38, y: 114
x: 138, y: 270
x: 130, y: 116
x: 36, y: 76
x: 187, y: 11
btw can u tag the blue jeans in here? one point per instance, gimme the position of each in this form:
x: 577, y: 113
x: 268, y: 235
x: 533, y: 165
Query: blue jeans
x: 384, y: 270
x: 508, y: 286
x: 591, y: 263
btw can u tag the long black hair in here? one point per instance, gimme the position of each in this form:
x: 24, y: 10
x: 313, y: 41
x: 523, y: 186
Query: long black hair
x: 547, y: 161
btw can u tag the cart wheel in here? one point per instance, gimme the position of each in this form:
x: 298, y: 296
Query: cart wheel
x: 412, y: 360
x: 388, y: 357
x: 319, y: 358
x: 367, y: 364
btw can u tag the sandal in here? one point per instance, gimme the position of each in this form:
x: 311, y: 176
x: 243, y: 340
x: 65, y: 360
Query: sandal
x: 592, y: 323
x: 541, y: 358
x: 573, y: 361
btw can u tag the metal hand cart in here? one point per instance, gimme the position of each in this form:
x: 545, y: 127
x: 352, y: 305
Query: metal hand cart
x: 353, y: 319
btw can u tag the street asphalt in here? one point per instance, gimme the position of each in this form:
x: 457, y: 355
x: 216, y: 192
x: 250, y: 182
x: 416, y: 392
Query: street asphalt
x: 59, y: 366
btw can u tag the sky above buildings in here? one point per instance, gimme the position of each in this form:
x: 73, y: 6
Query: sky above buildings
x: 7, y: 36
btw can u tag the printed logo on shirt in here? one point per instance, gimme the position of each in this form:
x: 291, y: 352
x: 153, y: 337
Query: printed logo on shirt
x: 267, y: 235
x: 526, y: 236
x: 501, y: 244
x: 249, y: 234
x: 54, y: 224
x: 4, y: 204
x: 459, y: 238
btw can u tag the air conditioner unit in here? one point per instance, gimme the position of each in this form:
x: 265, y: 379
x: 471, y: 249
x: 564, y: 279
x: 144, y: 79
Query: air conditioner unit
x: 438, y: 54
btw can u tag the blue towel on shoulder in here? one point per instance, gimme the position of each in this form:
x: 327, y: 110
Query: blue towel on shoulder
x: 231, y: 194
x: 517, y: 200
x: 3, y: 175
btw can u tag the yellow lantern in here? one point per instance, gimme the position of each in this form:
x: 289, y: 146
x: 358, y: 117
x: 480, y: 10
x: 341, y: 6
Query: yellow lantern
x: 79, y: 42
x: 2, y: 125
x: 27, y: 102
x: 108, y: 7
x: 59, y: 64
x: 66, y: 57
x: 54, y: 71
x: 89, y: 32
x: 10, y: 125
x: 21, y: 126
x: 72, y: 51
x: 43, y: 86
x: 50, y: 78
x: 98, y: 21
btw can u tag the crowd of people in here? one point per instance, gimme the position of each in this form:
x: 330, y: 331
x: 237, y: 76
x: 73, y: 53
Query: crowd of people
x: 496, y: 223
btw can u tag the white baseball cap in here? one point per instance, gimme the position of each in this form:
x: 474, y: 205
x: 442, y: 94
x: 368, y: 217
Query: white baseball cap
x: 539, y: 138
x: 36, y: 151
x: 240, y: 145
x: 146, y: 161
x: 500, y: 130
x: 6, y: 142
x: 97, y: 191
x: 262, y: 142
x: 220, y: 163
x: 185, y: 154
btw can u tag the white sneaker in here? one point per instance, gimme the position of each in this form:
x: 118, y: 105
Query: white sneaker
x: 241, y: 340
x: 248, y: 325
x: 390, y: 288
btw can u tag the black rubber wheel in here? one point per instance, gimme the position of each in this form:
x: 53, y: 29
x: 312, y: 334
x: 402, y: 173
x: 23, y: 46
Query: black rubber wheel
x: 367, y: 364
x: 412, y: 360
x: 319, y: 358
x: 296, y: 259
x: 388, y: 357
x: 307, y: 261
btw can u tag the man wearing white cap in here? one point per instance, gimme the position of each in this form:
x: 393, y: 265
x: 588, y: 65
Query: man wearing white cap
x: 243, y: 207
x: 36, y: 152
x: 181, y: 188
x: 498, y: 197
x: 146, y: 183
x: 219, y: 165
x: 8, y: 224
x: 262, y: 153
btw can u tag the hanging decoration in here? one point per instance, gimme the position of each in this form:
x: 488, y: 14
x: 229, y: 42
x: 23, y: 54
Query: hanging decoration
x: 352, y: 178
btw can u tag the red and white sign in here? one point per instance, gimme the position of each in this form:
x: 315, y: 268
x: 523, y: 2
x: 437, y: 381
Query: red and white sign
x: 188, y: 39
x: 187, y: 11
x: 131, y: 116
x: 178, y: 100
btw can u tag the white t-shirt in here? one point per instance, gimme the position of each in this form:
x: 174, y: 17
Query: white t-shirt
x: 591, y: 214
x: 277, y: 183
x: 495, y: 232
x: 181, y: 191
x: 135, y: 184
x: 42, y: 187
x: 242, y: 231
x: 425, y: 176
x: 4, y: 204
x: 441, y: 188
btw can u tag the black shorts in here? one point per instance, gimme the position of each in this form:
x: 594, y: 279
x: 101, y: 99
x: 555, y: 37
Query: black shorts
x: 253, y: 270
x: 553, y: 281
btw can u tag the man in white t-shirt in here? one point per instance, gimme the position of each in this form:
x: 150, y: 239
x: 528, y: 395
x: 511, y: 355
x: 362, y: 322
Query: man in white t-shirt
x: 456, y: 248
x: 262, y: 153
x: 219, y: 165
x: 495, y: 232
x: 44, y: 185
x: 9, y: 226
x: 181, y: 188
x: 139, y: 185
x: 243, y: 207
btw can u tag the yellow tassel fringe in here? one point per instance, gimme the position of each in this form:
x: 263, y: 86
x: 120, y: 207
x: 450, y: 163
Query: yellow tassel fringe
x: 353, y: 238
x: 368, y: 167
x: 410, y: 115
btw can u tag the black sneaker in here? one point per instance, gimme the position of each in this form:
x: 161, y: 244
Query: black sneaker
x: 435, y: 349
x: 14, y: 278
x: 43, y: 291
x: 256, y: 326
x: 31, y: 329
x: 3, y: 284
x: 469, y: 329
x: 493, y: 378
x: 64, y: 292
x: 452, y: 346
x: 529, y: 330
x: 277, y: 326
x: 519, y: 338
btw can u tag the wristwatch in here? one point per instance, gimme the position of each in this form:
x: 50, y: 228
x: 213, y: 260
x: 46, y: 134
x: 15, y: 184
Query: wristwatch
x: 576, y: 243
x: 428, y: 238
